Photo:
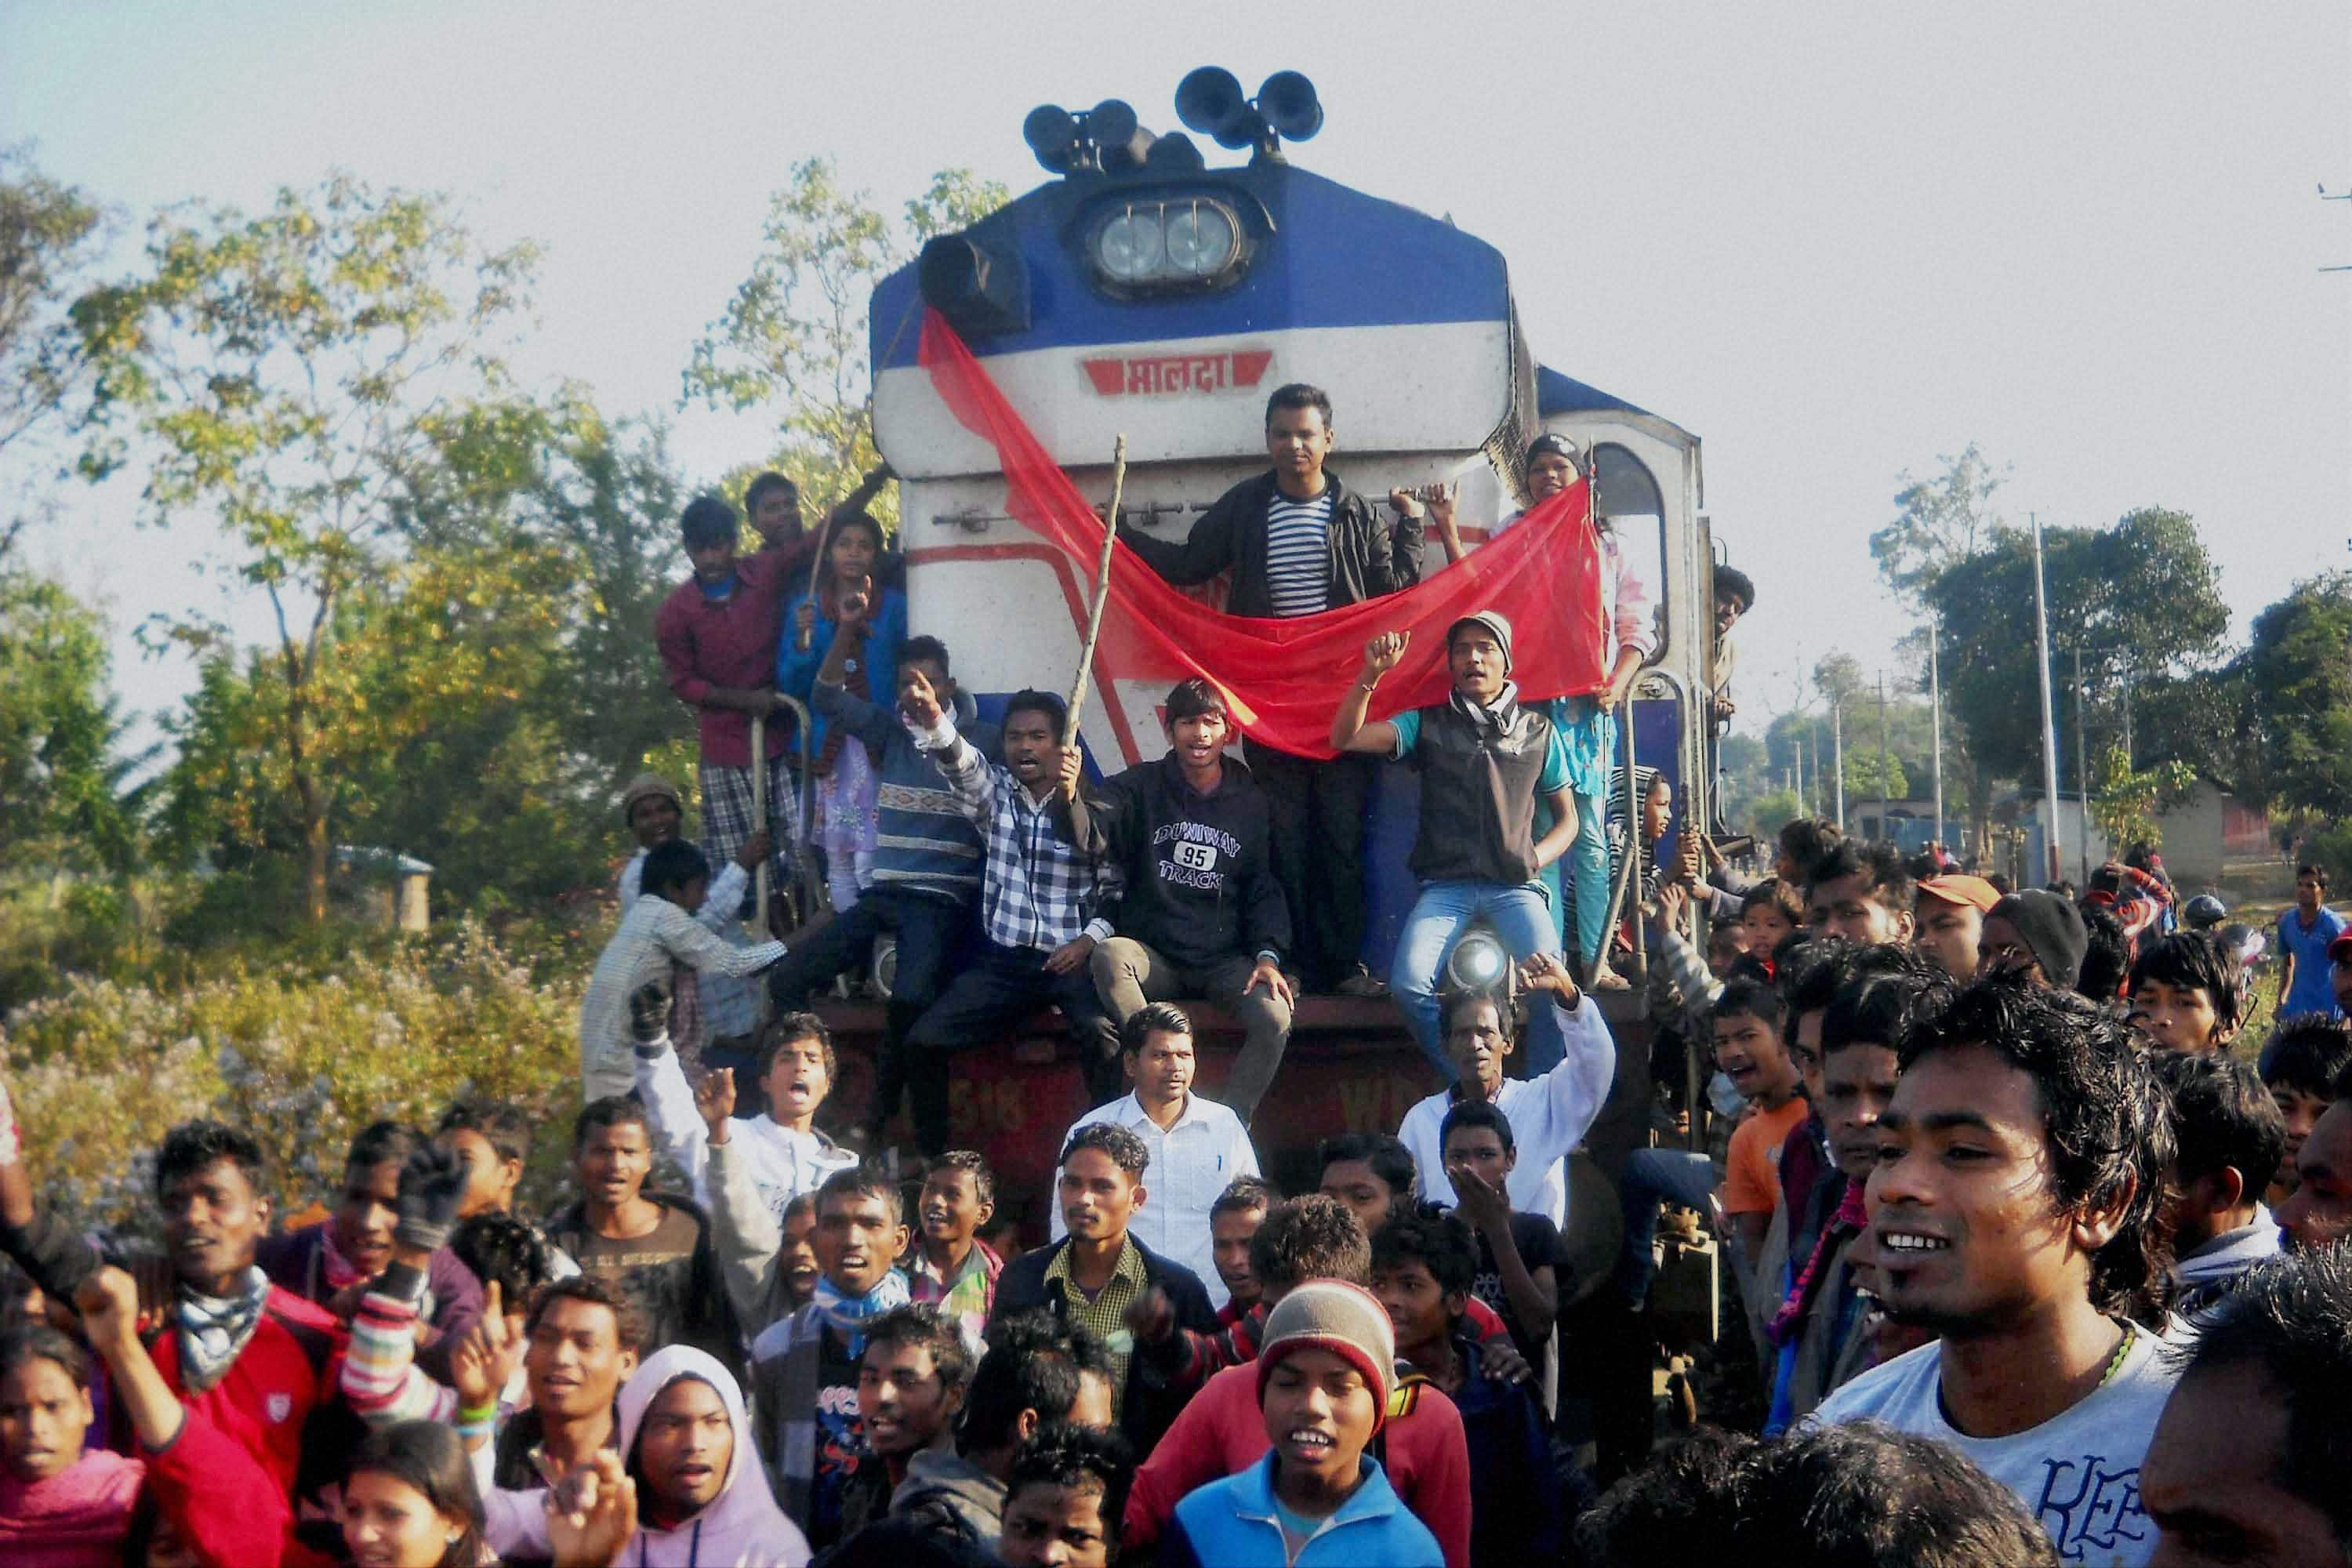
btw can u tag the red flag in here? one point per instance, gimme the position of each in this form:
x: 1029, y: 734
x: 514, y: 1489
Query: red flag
x: 1285, y: 679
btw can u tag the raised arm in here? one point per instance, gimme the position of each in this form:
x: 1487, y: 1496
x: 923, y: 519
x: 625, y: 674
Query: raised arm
x: 1575, y: 1090
x: 661, y: 1084
x: 689, y: 942
x: 966, y: 769
x: 1350, y: 731
x: 745, y: 1233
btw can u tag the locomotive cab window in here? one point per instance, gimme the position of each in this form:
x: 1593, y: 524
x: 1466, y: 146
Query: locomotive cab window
x: 1627, y: 496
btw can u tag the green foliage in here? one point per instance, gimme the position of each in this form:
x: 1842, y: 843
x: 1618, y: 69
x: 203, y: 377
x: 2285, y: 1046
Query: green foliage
x: 2125, y: 801
x: 1939, y: 522
x: 1772, y: 810
x: 795, y: 332
x: 2137, y: 598
x: 299, y: 1048
x: 282, y: 372
x: 48, y: 234
x: 2299, y: 672
x: 65, y: 802
x: 1867, y: 771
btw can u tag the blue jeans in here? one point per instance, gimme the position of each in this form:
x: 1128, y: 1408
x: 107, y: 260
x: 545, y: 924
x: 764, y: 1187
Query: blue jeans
x: 1520, y: 917
x: 1651, y: 1177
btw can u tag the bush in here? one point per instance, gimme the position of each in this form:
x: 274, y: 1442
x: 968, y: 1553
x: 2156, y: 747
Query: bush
x: 301, y: 1057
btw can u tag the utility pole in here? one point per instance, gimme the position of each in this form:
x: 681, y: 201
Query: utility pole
x: 1936, y: 716
x: 2131, y: 759
x: 2083, y: 767
x: 1837, y: 755
x: 1886, y: 833
x: 2049, y: 718
x: 1796, y: 750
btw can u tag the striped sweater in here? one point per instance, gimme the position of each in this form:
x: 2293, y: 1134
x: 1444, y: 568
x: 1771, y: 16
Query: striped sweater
x: 926, y: 844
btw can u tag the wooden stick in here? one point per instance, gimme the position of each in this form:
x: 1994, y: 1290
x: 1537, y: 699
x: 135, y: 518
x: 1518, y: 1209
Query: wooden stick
x: 1102, y: 588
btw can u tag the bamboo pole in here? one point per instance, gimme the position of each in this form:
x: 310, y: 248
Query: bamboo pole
x: 1102, y: 588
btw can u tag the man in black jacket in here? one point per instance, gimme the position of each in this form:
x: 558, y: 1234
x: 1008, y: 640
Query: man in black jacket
x: 1298, y: 543
x: 1202, y: 914
x: 1093, y: 1276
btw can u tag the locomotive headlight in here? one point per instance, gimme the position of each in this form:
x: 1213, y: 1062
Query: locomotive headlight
x: 1131, y: 246
x: 1166, y: 243
x: 1200, y: 239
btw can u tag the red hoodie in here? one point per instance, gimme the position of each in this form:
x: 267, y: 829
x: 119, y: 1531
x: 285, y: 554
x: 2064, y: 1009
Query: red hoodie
x: 219, y: 1498
x: 1223, y: 1432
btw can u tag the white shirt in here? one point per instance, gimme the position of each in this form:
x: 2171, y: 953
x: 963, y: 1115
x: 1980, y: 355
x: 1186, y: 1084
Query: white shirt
x: 2078, y: 1472
x: 782, y: 1163
x: 729, y: 1007
x: 1549, y: 1115
x: 654, y: 934
x: 1191, y: 1162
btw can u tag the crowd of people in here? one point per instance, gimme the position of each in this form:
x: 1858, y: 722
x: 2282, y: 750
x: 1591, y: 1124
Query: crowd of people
x: 2036, y: 1265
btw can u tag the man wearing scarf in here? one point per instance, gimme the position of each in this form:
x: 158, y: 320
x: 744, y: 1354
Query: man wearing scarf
x: 251, y: 1358
x: 1484, y: 763
x: 805, y: 1366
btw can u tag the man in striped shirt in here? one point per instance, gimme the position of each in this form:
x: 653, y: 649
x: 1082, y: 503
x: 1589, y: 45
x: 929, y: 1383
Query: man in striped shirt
x: 1298, y: 542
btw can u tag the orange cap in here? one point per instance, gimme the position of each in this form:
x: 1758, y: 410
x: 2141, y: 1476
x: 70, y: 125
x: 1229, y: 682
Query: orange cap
x: 1974, y: 891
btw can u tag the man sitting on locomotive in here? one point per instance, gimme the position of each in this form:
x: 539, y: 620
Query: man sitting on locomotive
x: 1587, y: 725
x: 1298, y: 542
x: 1484, y: 761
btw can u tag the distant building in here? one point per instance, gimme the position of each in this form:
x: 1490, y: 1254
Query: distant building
x: 383, y: 887
x: 2211, y: 831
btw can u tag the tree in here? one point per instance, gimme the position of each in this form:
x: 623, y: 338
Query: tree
x: 795, y: 335
x: 1871, y: 775
x: 2299, y: 674
x: 2138, y: 599
x: 2125, y: 801
x: 282, y: 370
x: 1938, y: 523
x: 65, y: 802
x: 48, y: 234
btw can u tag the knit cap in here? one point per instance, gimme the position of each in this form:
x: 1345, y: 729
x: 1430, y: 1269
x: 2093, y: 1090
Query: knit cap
x: 1346, y: 1320
x: 1498, y: 625
x: 2052, y: 927
x: 648, y: 786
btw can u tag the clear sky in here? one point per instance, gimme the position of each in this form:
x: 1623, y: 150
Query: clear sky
x: 1835, y: 240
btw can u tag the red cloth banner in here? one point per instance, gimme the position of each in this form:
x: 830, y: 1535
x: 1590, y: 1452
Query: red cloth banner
x: 1285, y: 679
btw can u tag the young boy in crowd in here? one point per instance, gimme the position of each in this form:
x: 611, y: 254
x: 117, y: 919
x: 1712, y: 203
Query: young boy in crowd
x: 493, y: 1138
x: 1324, y: 1379
x: 2187, y: 992
x: 1770, y: 913
x: 332, y: 1262
x: 1064, y: 1500
x: 948, y: 1266
x: 2230, y: 1138
x: 1234, y: 1219
x: 1811, y: 1315
x: 780, y: 1150
x: 1203, y: 914
x: 1862, y: 893
x: 2016, y: 1212
x: 655, y: 1248
x: 1424, y: 1267
x: 1037, y: 1374
x: 1195, y: 1144
x: 2306, y: 1058
x: 1369, y: 1174
x: 911, y: 1380
x: 2305, y: 934
x: 658, y: 943
x: 1485, y: 764
x: 1948, y: 921
x: 1517, y: 1258
x: 1748, y: 1048
x: 716, y: 1006
x: 805, y: 1367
